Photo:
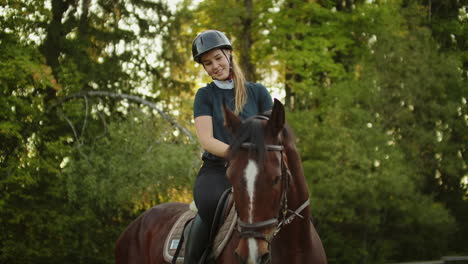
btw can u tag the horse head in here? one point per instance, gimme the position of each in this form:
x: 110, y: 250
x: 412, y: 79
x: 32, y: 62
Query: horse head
x: 259, y: 176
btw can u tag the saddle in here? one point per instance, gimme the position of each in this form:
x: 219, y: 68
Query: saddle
x: 223, y: 226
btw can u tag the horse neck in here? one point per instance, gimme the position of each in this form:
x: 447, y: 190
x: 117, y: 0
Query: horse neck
x: 298, y: 191
x: 297, y: 234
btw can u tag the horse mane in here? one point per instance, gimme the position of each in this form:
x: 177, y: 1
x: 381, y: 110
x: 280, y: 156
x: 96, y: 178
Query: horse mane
x: 250, y: 131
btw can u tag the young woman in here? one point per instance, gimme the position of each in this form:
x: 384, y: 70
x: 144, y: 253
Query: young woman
x: 213, y: 50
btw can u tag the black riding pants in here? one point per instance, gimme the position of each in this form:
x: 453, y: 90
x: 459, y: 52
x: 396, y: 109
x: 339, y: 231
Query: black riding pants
x: 210, y: 184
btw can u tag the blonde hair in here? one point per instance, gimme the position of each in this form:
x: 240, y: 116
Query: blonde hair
x: 239, y: 87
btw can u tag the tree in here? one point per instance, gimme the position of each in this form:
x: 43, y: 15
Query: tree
x: 28, y: 161
x: 49, y: 212
x: 422, y: 103
x: 364, y: 200
x: 375, y: 94
x: 243, y: 22
x: 376, y: 91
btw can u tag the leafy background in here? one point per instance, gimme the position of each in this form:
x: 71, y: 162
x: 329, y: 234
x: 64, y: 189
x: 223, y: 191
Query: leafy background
x: 376, y: 93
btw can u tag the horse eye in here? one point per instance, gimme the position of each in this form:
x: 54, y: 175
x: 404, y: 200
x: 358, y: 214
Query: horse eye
x: 277, y: 179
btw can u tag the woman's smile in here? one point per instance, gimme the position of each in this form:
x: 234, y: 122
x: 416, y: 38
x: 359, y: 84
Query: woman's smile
x: 219, y: 72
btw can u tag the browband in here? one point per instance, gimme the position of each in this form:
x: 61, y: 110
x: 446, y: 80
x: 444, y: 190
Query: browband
x: 249, y: 145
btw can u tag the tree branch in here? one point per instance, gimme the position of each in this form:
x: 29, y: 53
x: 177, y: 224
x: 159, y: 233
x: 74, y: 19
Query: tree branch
x: 86, y: 116
x: 72, y: 126
x: 128, y: 97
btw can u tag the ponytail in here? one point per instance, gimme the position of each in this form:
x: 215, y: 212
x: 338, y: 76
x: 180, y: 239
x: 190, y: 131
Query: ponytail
x: 239, y: 87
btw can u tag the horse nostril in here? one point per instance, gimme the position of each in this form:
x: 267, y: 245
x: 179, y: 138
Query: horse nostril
x: 239, y: 258
x: 264, y: 259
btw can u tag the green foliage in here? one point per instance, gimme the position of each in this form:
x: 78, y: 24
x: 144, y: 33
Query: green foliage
x: 135, y: 166
x: 314, y: 48
x: 75, y: 212
x: 138, y: 151
x: 378, y: 90
x: 55, y: 206
x: 383, y: 151
x: 422, y: 98
x: 29, y: 196
x: 365, y: 199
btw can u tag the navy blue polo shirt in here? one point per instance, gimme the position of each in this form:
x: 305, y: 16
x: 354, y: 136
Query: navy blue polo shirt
x: 209, y: 101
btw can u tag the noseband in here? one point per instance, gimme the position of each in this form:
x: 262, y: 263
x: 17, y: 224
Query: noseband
x: 253, y: 230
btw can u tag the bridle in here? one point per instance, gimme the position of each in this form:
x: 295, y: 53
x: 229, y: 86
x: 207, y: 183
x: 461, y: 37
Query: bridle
x: 253, y: 230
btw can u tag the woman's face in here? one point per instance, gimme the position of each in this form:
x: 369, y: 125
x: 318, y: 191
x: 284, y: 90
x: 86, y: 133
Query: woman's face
x: 216, y: 64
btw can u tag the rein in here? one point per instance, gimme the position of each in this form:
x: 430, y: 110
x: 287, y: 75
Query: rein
x: 253, y: 230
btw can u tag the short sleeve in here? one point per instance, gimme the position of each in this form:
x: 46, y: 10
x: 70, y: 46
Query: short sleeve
x: 202, y: 105
x: 265, y: 102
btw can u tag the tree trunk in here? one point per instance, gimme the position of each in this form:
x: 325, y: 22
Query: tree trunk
x: 246, y: 42
x: 53, y: 43
x: 54, y: 39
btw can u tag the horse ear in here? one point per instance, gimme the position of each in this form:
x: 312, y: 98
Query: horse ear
x: 231, y: 121
x: 277, y: 119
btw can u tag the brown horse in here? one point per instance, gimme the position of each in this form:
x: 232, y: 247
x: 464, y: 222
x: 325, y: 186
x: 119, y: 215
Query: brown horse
x: 271, y: 200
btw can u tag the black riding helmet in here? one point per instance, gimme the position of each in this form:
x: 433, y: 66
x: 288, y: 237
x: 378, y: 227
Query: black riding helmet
x: 209, y: 40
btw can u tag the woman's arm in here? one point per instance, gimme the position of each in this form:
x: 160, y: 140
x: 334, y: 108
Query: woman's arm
x: 204, y: 127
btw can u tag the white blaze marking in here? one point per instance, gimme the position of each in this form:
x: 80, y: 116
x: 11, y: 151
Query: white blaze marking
x: 251, y: 172
x: 253, y: 251
x: 250, y: 175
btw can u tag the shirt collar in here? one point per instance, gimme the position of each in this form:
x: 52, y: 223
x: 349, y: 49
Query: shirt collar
x: 229, y: 84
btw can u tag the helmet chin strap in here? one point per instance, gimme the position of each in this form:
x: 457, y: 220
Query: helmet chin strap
x: 230, y: 64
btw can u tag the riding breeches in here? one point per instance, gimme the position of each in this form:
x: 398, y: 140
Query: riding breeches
x: 210, y: 184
